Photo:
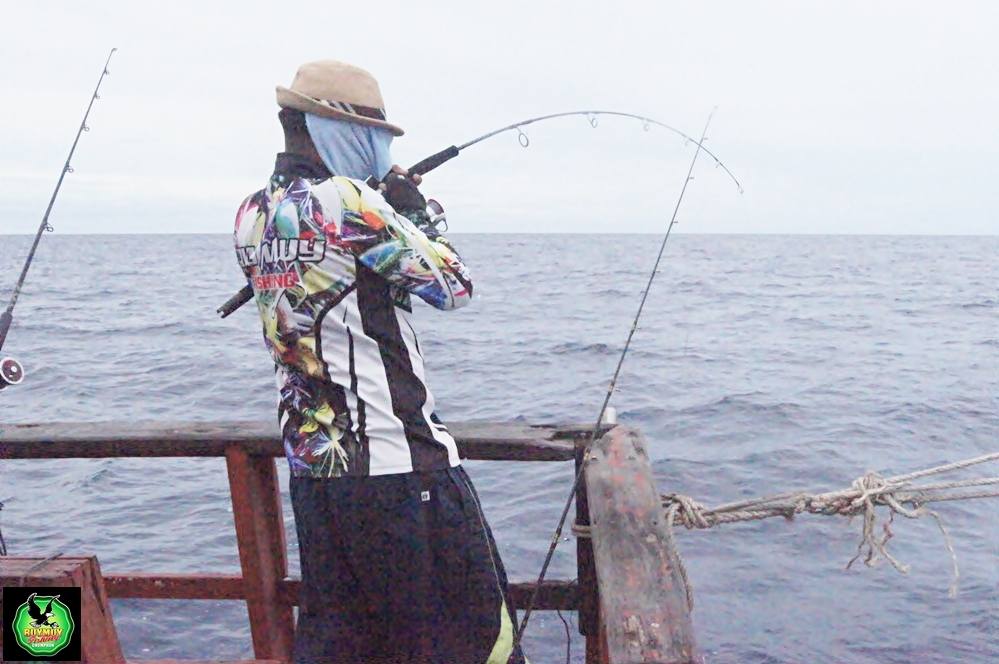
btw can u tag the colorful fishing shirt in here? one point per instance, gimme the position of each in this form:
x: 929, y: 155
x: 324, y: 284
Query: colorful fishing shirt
x: 332, y: 268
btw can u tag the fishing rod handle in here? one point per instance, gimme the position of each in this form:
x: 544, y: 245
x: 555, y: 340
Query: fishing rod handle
x: 236, y: 301
x: 433, y: 161
x: 5, y: 320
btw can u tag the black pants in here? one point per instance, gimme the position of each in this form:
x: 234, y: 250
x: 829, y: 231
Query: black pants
x: 399, y: 569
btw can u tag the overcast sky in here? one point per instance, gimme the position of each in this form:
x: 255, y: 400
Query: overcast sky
x: 838, y: 117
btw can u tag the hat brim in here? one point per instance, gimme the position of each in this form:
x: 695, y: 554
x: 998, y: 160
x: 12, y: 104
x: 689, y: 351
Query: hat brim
x: 290, y: 99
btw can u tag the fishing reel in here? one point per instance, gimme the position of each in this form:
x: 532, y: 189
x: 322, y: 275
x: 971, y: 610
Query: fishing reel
x: 436, y: 219
x: 11, y: 372
x: 401, y: 193
x: 431, y: 219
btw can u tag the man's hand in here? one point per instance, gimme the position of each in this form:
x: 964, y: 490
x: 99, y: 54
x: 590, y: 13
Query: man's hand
x: 401, y: 193
x: 417, y: 178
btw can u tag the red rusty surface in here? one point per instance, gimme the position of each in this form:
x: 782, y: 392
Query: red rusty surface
x: 256, y: 509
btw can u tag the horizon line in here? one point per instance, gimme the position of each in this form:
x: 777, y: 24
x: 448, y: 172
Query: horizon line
x: 650, y: 233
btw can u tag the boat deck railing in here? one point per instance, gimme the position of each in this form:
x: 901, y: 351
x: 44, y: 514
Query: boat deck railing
x: 627, y: 592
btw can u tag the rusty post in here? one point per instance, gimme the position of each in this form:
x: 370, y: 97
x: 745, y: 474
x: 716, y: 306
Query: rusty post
x: 256, y: 509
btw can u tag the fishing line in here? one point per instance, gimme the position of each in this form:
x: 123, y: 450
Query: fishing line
x: 433, y: 161
x: 11, y: 371
x: 568, y: 637
x: 613, y: 383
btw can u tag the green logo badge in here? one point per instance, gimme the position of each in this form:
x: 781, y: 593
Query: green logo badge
x: 43, y: 625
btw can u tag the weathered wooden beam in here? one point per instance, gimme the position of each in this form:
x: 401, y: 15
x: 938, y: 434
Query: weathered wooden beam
x: 476, y: 440
x: 553, y: 595
x: 643, y: 607
x: 256, y: 509
x: 562, y: 595
x: 146, y: 585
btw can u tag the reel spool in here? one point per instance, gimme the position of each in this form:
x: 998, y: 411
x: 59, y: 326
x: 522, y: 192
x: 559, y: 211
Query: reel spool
x: 438, y: 220
x: 11, y: 372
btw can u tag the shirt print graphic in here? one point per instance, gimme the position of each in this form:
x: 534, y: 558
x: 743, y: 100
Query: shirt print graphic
x: 300, y: 244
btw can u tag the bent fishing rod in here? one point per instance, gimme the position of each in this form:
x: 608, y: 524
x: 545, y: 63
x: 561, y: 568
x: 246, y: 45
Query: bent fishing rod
x: 557, y: 535
x: 11, y: 371
x: 433, y: 161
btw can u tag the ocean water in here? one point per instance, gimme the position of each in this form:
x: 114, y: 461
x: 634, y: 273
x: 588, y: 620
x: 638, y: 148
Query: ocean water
x: 762, y: 364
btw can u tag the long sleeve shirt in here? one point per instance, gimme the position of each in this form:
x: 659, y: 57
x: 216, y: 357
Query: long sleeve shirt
x: 333, y: 268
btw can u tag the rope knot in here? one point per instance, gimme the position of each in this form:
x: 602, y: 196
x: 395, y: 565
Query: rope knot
x: 870, y: 481
x: 686, y: 510
x: 872, y: 484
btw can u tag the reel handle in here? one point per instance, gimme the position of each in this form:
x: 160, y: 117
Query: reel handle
x: 11, y: 372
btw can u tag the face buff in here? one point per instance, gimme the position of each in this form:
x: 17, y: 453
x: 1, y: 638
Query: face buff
x: 351, y: 149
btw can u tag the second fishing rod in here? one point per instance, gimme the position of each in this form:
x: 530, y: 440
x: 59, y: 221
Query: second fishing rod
x: 598, y: 426
x: 433, y: 161
x: 11, y: 371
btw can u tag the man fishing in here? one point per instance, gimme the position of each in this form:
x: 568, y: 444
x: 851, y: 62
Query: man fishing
x: 398, y: 563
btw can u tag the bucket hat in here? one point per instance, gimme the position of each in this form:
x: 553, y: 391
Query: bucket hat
x: 334, y: 89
